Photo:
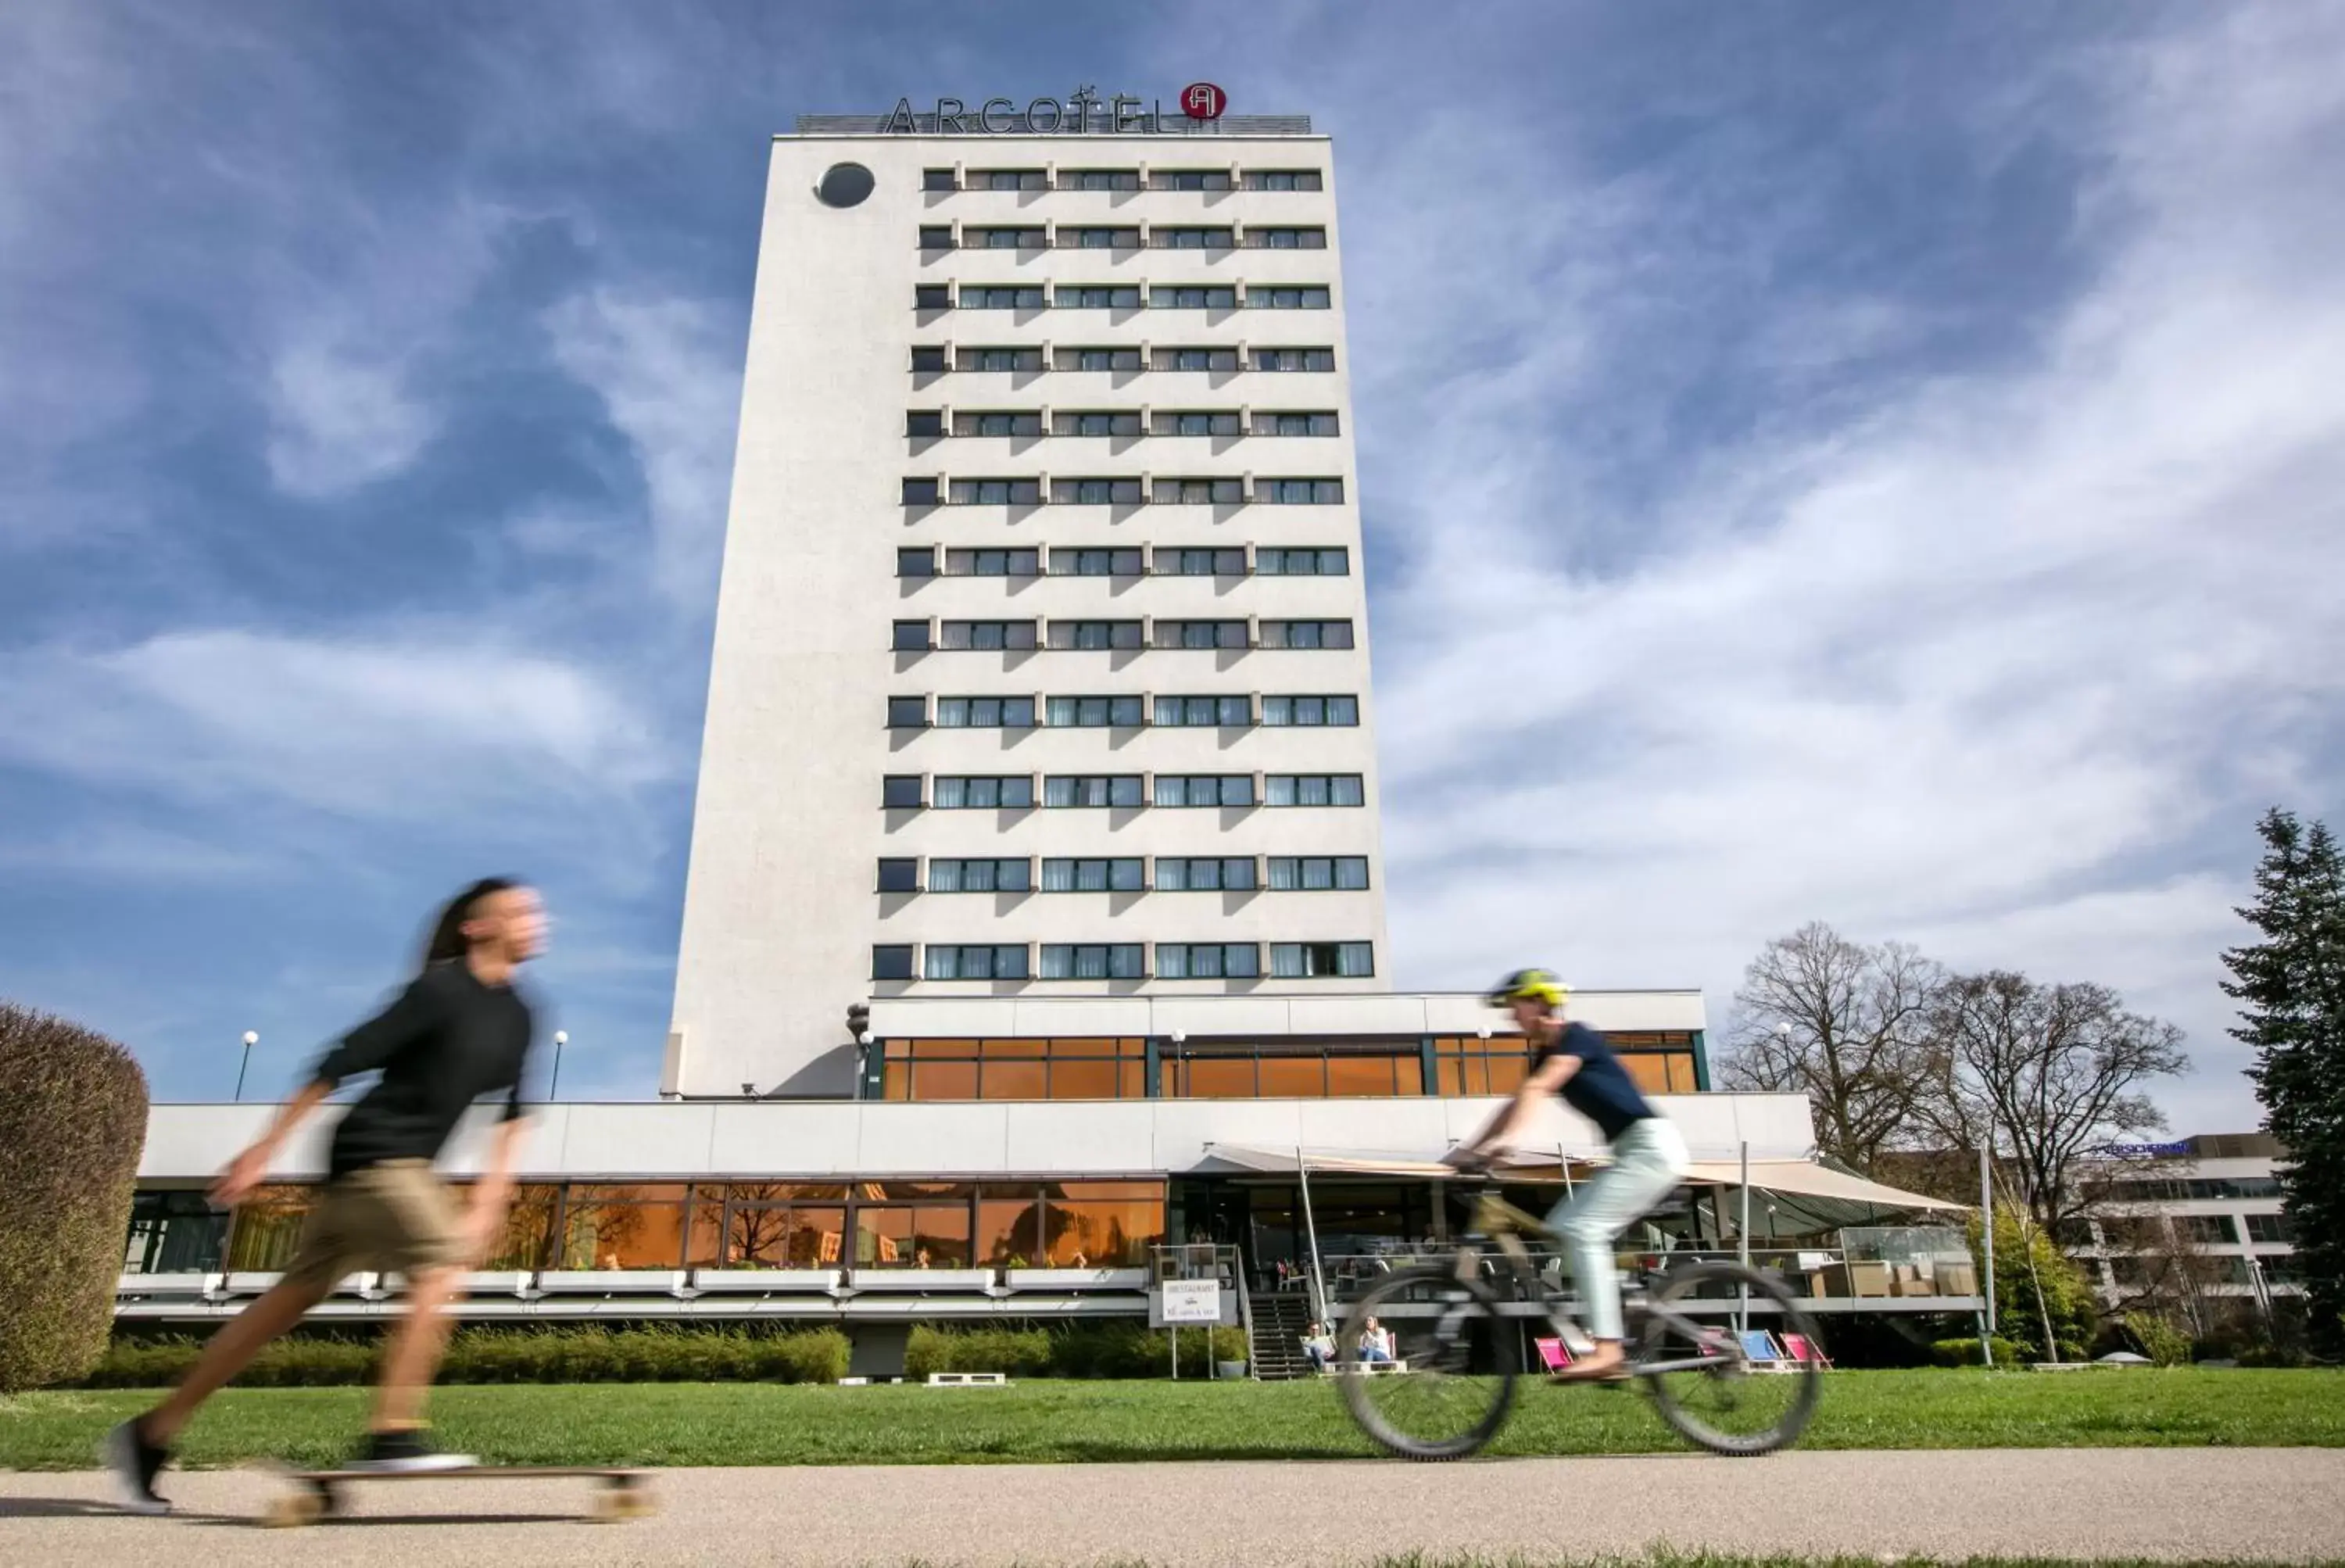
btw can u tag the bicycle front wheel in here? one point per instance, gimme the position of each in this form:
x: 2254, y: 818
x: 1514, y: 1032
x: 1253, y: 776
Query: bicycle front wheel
x: 1705, y: 1379
x: 1429, y: 1403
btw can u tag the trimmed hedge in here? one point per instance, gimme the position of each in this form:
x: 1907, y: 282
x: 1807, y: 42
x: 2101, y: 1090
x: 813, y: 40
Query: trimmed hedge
x: 1965, y: 1352
x: 72, y: 1121
x: 496, y: 1355
x: 1116, y: 1349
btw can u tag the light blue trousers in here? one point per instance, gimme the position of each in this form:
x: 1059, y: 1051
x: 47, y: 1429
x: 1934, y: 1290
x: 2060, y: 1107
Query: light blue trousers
x: 1648, y: 1160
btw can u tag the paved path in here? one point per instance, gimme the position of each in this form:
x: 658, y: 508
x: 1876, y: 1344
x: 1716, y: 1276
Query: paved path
x: 2278, y: 1503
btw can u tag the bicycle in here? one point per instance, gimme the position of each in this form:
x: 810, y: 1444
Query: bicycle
x: 1448, y: 1325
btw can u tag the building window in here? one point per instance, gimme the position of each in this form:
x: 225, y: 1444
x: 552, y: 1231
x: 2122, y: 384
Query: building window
x: 1099, y: 237
x: 1200, y: 492
x: 1204, y: 712
x: 1336, y: 712
x: 1313, y: 790
x: 1205, y: 874
x: 1199, y: 563
x: 1201, y: 633
x: 920, y: 492
x: 177, y: 1233
x: 1283, y: 179
x: 1029, y: 1069
x: 998, y: 423
x: 1184, y: 297
x: 1092, y: 712
x: 936, y: 236
x: 1099, y: 423
x: 1318, y: 873
x: 999, y: 360
x: 982, y: 792
x: 985, y: 713
x: 1093, y: 960
x: 1092, y: 790
x: 2271, y: 1229
x: 1286, y: 238
x: 922, y: 422
x: 1182, y: 789
x: 892, y: 961
x: 1097, y: 297
x: 942, y: 179
x: 1294, y: 359
x: 911, y: 637
x: 1095, y: 563
x: 907, y: 713
x: 900, y: 792
x: 900, y: 876
x: 928, y: 359
x: 1208, y: 961
x: 1160, y: 238
x: 1100, y: 876
x: 1188, y: 179
x: 986, y: 636
x: 1467, y: 1066
x: 1306, y: 633
x: 985, y: 876
x: 1289, y: 1072
x: 1202, y: 359
x: 1295, y: 424
x: 989, y: 297
x: 1008, y: 179
x: 1095, y: 491
x: 1094, y: 636
x: 1098, y: 179
x: 997, y: 491
x: 992, y: 962
x: 2206, y: 1229
x: 992, y: 563
x: 921, y: 563
x: 1201, y: 422
x: 1098, y: 359
x: 1004, y: 238
x: 1298, y: 492
x: 1284, y: 298
x: 932, y: 297
x: 1322, y: 960
x: 1300, y: 563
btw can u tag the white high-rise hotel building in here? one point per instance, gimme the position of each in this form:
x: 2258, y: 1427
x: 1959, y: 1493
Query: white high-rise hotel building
x: 1041, y: 654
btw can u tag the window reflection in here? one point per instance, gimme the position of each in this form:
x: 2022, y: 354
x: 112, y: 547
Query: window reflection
x: 268, y: 1229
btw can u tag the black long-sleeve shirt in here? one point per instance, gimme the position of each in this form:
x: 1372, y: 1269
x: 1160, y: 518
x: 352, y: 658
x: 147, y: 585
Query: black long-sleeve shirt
x: 447, y: 1040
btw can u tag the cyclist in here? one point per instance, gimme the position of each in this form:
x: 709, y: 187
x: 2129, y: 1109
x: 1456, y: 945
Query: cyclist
x: 1648, y: 1157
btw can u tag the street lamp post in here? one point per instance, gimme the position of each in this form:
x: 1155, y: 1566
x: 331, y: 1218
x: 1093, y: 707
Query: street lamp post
x: 251, y: 1040
x: 561, y: 1038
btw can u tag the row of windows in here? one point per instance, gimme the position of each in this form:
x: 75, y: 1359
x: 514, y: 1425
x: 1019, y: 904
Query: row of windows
x: 2162, y: 1190
x: 1126, y: 960
x: 1124, y: 492
x: 1015, y: 791
x: 1119, y: 297
x: 1123, y: 236
x: 1208, y: 179
x: 1128, y: 874
x: 1124, y: 561
x: 1170, y: 712
x: 931, y: 359
x: 922, y: 423
x: 1022, y: 636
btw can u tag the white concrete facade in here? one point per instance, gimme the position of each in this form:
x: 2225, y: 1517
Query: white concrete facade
x: 782, y: 923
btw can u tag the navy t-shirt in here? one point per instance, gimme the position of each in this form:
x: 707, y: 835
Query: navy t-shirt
x: 1601, y: 1090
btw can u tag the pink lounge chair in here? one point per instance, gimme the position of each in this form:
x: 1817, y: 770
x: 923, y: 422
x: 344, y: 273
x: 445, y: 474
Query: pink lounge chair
x: 1551, y: 1354
x: 1800, y: 1347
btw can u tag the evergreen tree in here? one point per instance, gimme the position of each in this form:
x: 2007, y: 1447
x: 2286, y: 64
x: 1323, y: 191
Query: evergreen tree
x: 2291, y: 990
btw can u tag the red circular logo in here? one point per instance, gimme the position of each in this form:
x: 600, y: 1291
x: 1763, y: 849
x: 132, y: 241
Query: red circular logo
x: 1204, y: 101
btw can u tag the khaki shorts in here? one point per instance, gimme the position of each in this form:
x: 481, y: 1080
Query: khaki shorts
x: 395, y: 1218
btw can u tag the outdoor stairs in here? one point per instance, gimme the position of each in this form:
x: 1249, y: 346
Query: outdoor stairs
x: 1280, y: 1318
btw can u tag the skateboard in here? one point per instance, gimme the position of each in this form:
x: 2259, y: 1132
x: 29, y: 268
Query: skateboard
x: 318, y: 1493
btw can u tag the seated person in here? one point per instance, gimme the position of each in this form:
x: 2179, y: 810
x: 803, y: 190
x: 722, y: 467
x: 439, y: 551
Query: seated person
x: 1320, y: 1346
x: 1376, y: 1343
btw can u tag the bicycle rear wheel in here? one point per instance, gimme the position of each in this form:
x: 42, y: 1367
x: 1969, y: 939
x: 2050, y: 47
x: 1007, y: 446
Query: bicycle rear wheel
x: 1721, y: 1397
x: 1443, y: 1327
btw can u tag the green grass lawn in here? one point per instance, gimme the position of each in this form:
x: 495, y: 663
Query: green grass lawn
x: 763, y: 1424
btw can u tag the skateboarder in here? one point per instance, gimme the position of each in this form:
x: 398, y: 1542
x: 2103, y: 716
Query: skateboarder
x: 458, y: 1031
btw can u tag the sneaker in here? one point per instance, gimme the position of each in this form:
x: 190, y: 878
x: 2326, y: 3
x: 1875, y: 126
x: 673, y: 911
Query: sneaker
x: 408, y: 1451
x: 134, y: 1462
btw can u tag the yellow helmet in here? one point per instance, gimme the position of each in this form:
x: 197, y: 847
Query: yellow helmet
x: 1532, y: 985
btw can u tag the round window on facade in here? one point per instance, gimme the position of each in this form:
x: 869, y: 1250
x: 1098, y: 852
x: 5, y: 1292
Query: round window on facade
x: 843, y: 185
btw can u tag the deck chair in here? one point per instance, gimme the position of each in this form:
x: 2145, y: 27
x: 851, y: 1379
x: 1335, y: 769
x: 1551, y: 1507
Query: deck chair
x: 1800, y: 1347
x: 1551, y: 1354
x: 1759, y: 1348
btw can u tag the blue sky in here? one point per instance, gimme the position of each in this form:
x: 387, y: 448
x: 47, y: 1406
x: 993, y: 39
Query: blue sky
x: 1864, y: 463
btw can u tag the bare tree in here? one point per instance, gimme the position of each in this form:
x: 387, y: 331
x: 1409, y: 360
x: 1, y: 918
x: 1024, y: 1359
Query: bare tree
x: 1843, y: 1024
x: 2048, y: 1076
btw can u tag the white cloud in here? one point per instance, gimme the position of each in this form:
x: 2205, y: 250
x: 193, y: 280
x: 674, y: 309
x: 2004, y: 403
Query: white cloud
x: 341, y: 416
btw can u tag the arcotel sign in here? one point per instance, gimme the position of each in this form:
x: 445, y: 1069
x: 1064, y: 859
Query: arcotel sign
x: 1083, y: 112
